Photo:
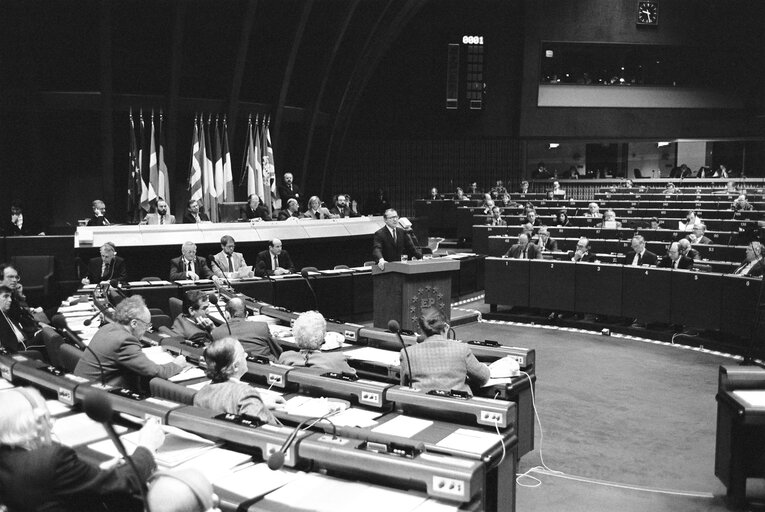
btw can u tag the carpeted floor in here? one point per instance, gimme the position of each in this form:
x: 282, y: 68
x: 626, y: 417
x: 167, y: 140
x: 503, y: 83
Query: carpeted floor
x: 626, y: 411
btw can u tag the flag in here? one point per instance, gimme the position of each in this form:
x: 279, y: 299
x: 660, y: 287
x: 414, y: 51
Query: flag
x: 142, y: 165
x: 153, y: 171
x: 163, y: 187
x: 269, y: 193
x: 260, y: 188
x: 134, y: 182
x: 250, y: 162
x: 217, y: 158
x: 228, y: 177
x: 195, y: 177
x: 209, y: 196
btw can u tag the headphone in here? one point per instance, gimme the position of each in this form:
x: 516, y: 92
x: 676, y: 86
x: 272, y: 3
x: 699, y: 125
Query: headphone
x: 200, y: 487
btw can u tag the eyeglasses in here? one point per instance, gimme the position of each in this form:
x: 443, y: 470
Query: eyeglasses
x: 147, y: 325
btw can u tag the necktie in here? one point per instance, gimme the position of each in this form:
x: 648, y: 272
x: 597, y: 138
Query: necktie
x: 395, y: 238
x: 104, y: 266
x: 188, y: 266
x: 161, y: 219
x: 106, y: 221
x: 230, y: 264
x: 524, y: 254
x: 640, y: 259
x: 674, y: 265
x: 276, y: 262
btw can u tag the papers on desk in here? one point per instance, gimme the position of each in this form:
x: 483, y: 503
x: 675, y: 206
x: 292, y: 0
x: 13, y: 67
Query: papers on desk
x: 403, y: 426
x: 355, y: 417
x: 249, y: 482
x: 89, y: 286
x: 149, y: 283
x: 158, y: 355
x: 78, y: 307
x: 4, y: 384
x: 311, y: 407
x: 191, y: 281
x: 179, y: 446
x: 362, y: 269
x: 79, y: 429
x: 212, y: 463
x: 374, y: 355
x: 753, y: 397
x: 337, y: 271
x: 321, y: 493
x: 470, y: 441
x: 56, y: 408
x: 188, y: 373
x: 459, y: 255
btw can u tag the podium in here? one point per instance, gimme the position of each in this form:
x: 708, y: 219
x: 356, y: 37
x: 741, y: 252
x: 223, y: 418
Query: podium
x: 405, y: 288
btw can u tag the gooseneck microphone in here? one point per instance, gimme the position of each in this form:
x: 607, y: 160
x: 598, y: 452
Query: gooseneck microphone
x: 211, y: 257
x: 214, y: 299
x: 276, y: 459
x: 60, y: 324
x: 98, y: 407
x: 304, y: 273
x: 393, y: 326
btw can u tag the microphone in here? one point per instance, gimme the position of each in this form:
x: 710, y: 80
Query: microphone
x: 393, y: 326
x: 61, y: 326
x: 98, y: 407
x: 214, y: 298
x: 89, y: 320
x: 304, y: 273
x: 276, y: 459
x: 211, y: 257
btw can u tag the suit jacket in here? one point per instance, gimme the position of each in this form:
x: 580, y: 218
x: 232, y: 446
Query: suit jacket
x: 343, y: 212
x: 758, y: 270
x: 439, y: 363
x: 286, y: 214
x: 221, y: 259
x: 121, y: 358
x: 12, y: 229
x: 649, y: 258
x: 255, y: 337
x: 234, y: 397
x: 178, y: 269
x: 153, y: 218
x: 491, y: 221
x: 384, y: 247
x: 704, y: 240
x: 99, y: 221
x: 8, y: 338
x: 333, y: 362
x: 188, y: 218
x: 586, y: 257
x: 187, y: 328
x: 685, y: 263
x: 116, y: 270
x: 550, y: 245
x: 532, y: 252
x: 693, y: 254
x: 321, y: 213
x: 263, y: 263
x: 54, y: 478
x: 285, y: 193
x: 258, y: 213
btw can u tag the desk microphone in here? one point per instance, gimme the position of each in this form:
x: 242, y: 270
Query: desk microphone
x: 61, y: 326
x: 304, y: 273
x: 214, y: 299
x: 89, y: 321
x: 276, y: 459
x: 393, y: 326
x: 211, y: 257
x: 98, y: 407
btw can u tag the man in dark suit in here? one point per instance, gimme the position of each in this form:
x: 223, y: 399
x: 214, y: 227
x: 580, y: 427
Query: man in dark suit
x: 12, y: 338
x: 290, y: 210
x: 26, y: 317
x: 753, y: 265
x: 675, y: 260
x: 255, y: 337
x: 639, y: 255
x: 523, y: 250
x: 193, y: 215
x: 546, y: 243
x: 342, y: 208
x: 106, y: 267
x: 288, y: 189
x: 688, y: 251
x: 274, y: 261
x: 391, y: 241
x: 188, y: 265
x: 699, y: 232
x: 161, y: 216
x: 582, y: 252
x: 496, y: 217
x: 99, y: 214
x: 254, y: 209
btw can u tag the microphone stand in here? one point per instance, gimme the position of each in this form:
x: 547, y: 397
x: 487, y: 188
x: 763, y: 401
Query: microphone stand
x: 394, y: 326
x: 220, y: 311
x: 211, y: 257
x: 276, y: 459
x: 304, y: 273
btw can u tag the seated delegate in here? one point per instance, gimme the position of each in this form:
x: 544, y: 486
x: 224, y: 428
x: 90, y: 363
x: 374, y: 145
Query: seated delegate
x: 38, y: 473
x: 440, y: 363
x: 193, y: 321
x: 255, y: 337
x: 309, y: 331
x: 226, y: 362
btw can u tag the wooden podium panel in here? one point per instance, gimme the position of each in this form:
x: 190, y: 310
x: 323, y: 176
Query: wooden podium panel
x: 696, y: 299
x: 507, y: 282
x: 404, y: 289
x: 551, y: 284
x: 646, y: 294
x: 598, y: 289
x: 739, y: 299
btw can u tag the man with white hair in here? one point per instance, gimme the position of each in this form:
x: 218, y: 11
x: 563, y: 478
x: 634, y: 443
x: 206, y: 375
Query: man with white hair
x: 699, y: 234
x: 188, y: 265
x: 309, y: 330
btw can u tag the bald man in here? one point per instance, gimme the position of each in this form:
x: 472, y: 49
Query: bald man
x: 255, y: 337
x: 274, y: 261
x: 181, y: 490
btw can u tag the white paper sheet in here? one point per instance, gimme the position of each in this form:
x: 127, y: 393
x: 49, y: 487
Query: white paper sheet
x: 471, y: 441
x: 403, y: 426
x: 374, y: 355
x: 188, y: 373
x: 753, y: 397
x: 251, y: 482
x: 355, y: 417
x: 158, y: 355
x: 79, y: 429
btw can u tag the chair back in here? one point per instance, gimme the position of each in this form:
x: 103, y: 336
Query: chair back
x: 52, y: 341
x: 160, y: 320
x: 161, y: 388
x: 70, y: 356
x: 36, y: 273
x: 175, y: 306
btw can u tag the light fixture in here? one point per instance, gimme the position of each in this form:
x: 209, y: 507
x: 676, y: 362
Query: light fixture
x: 554, y: 145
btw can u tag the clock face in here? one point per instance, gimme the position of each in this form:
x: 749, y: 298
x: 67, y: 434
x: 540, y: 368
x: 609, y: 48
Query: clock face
x: 647, y: 12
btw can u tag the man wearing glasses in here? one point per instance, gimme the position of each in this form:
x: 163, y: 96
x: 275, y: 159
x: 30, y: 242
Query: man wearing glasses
x: 118, y: 348
x: 391, y: 242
